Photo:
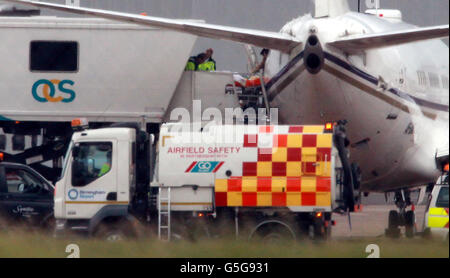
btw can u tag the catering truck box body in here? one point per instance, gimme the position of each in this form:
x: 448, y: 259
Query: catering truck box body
x: 62, y: 68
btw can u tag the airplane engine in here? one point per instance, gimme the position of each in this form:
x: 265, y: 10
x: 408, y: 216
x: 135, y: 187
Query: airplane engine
x: 313, y: 54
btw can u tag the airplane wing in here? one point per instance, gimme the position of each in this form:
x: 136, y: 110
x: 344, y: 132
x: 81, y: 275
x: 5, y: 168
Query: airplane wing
x: 271, y: 40
x: 368, y: 41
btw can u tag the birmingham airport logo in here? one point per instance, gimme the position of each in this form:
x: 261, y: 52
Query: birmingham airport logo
x: 73, y: 194
x: 46, y: 91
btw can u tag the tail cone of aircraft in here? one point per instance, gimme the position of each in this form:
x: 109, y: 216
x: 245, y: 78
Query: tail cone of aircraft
x: 313, y: 54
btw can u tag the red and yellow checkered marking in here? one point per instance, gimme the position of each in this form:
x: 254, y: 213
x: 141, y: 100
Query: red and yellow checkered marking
x: 273, y: 192
x: 294, y: 171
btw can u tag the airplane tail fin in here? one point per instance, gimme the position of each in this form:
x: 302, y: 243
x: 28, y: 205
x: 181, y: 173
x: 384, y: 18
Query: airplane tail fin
x: 331, y: 8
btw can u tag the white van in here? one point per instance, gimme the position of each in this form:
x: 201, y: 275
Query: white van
x: 436, y: 214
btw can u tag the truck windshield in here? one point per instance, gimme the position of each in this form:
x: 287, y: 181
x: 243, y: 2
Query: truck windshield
x: 442, y: 200
x: 90, y: 162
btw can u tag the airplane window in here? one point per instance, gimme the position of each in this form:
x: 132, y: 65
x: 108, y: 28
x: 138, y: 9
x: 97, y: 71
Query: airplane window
x: 434, y: 80
x: 422, y: 78
x: 53, y: 56
x: 444, y: 82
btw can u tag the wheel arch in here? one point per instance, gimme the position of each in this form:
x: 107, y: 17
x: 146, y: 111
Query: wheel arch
x: 107, y: 214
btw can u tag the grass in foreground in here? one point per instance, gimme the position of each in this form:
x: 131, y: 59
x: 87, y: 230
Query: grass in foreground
x: 19, y: 245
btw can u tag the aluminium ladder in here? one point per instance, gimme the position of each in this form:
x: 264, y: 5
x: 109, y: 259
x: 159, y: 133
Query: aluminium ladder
x: 164, y: 204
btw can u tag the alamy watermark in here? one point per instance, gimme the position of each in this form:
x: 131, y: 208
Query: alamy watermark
x: 216, y: 126
x: 73, y: 250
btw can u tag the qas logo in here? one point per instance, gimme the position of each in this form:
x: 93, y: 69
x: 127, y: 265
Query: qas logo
x: 45, y: 91
x: 204, y: 167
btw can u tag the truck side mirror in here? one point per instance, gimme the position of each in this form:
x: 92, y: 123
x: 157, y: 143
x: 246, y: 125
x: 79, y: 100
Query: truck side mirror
x: 152, y: 139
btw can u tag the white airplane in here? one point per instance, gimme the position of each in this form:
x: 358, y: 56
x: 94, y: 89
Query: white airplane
x: 388, y: 79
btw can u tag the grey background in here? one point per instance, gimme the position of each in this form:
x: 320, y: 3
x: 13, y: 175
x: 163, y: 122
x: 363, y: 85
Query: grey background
x: 268, y: 15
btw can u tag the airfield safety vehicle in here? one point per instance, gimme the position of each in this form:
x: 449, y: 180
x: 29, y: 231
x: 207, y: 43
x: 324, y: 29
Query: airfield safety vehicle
x: 436, y: 214
x: 203, y: 180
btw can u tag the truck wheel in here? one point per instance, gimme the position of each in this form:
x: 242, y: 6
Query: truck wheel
x: 393, y: 230
x: 410, y: 220
x: 272, y: 232
x: 112, y: 232
x: 394, y: 219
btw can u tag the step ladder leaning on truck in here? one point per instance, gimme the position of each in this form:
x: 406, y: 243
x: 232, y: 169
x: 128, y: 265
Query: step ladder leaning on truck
x: 164, y: 204
x: 268, y: 181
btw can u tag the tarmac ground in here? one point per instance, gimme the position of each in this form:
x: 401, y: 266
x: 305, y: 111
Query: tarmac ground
x: 373, y: 219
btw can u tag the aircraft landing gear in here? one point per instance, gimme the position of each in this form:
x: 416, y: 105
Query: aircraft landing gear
x: 402, y: 217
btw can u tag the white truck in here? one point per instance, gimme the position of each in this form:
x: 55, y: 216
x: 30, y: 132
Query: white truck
x: 198, y: 180
x: 436, y: 218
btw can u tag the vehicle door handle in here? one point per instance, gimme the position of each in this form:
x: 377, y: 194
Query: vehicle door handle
x: 112, y: 196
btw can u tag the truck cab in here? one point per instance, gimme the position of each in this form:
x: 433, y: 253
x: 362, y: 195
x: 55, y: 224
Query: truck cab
x: 25, y: 197
x: 95, y: 184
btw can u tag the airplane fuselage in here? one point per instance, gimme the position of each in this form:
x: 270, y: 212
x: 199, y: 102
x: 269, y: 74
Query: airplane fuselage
x: 395, y: 99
